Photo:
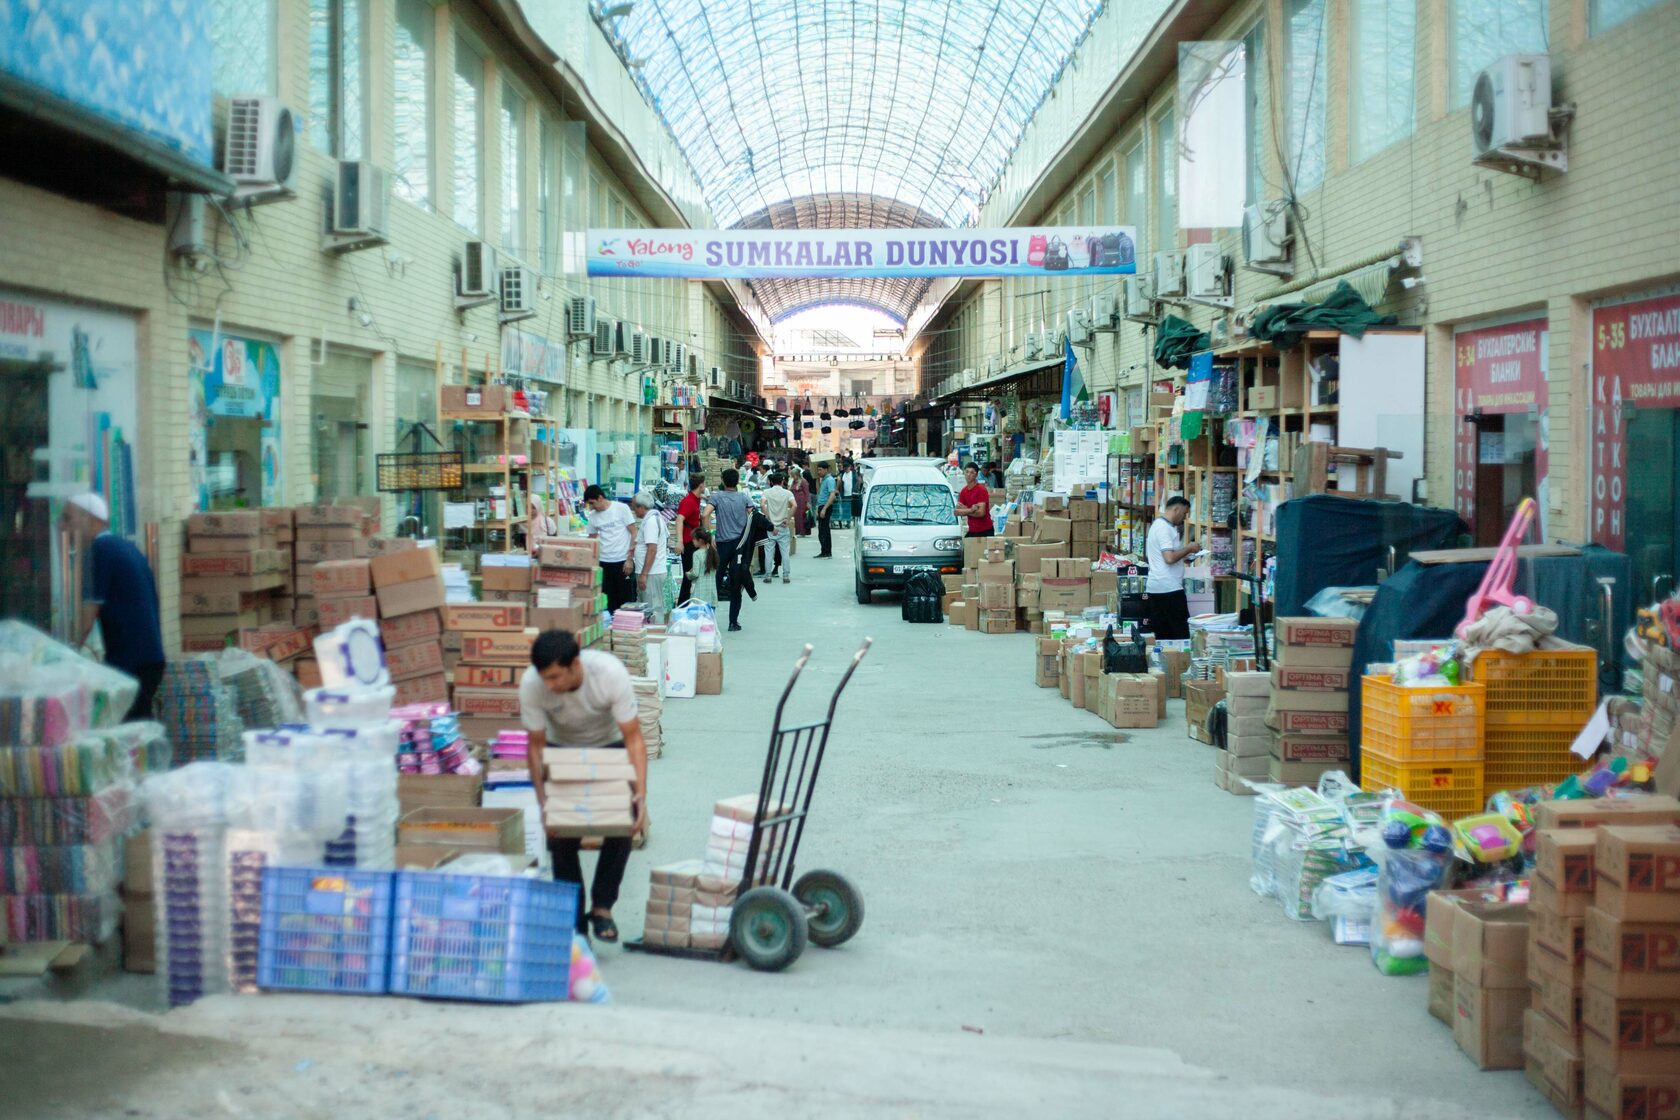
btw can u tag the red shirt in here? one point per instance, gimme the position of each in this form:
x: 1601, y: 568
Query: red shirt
x: 689, y: 510
x: 977, y: 495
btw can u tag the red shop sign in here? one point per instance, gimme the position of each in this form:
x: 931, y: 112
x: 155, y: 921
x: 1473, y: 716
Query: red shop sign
x: 1498, y: 370
x: 1636, y: 358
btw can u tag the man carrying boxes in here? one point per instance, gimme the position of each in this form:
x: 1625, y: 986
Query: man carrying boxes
x: 579, y: 710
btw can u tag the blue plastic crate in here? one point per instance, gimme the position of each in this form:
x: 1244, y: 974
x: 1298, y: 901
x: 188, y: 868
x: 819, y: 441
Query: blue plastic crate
x: 325, y: 929
x: 500, y: 939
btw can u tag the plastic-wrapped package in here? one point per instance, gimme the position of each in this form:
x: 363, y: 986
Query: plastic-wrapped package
x: 1302, y: 840
x: 34, y: 667
x: 696, y: 619
x: 81, y: 819
x: 1263, y: 877
x: 348, y: 707
x: 91, y: 763
x: 59, y: 917
x: 200, y: 711
x: 187, y: 809
x: 1414, y: 858
x: 61, y: 868
x: 264, y: 693
x: 1348, y: 901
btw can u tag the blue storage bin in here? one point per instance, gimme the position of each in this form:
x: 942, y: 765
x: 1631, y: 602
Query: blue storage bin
x: 325, y: 929
x: 493, y: 938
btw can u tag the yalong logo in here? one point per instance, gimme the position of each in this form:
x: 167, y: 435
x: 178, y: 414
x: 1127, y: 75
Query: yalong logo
x: 605, y: 248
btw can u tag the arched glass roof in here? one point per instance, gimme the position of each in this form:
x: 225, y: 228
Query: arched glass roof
x: 918, y: 102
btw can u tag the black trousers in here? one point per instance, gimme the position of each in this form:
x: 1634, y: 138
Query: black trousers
x: 609, y: 871
x: 980, y: 532
x: 825, y: 533
x: 618, y: 583
x: 149, y: 676
x: 686, y: 592
x: 731, y: 571
x: 1169, y: 615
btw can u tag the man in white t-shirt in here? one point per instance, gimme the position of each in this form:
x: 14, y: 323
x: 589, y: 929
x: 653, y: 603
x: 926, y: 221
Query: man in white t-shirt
x: 615, y: 527
x: 571, y: 697
x: 652, y: 540
x: 1169, y: 610
x: 777, y: 506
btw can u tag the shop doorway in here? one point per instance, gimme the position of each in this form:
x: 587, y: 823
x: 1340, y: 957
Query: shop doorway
x: 26, y: 526
x: 1653, y: 517
x: 1506, y: 471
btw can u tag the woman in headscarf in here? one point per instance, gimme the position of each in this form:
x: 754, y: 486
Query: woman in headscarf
x: 801, y: 499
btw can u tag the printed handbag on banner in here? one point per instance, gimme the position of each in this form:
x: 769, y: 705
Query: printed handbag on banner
x: 1056, y: 256
x: 1127, y: 254
x: 1036, y: 246
x: 1079, y: 251
x: 1102, y: 249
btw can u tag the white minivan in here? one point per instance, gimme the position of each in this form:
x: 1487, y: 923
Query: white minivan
x: 909, y: 524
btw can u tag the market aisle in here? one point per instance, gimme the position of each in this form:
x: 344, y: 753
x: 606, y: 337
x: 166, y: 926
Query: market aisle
x: 1027, y: 870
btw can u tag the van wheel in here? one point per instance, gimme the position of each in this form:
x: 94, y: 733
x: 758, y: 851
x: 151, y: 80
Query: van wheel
x: 864, y: 595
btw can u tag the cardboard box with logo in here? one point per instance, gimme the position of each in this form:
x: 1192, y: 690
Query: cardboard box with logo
x: 1490, y: 982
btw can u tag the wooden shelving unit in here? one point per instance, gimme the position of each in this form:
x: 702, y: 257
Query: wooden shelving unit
x: 515, y: 435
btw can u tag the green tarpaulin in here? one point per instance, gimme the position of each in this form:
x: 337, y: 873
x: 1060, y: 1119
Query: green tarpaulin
x: 1175, y: 341
x: 1284, y: 324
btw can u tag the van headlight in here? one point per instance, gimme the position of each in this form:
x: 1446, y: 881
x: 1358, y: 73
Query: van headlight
x: 948, y: 544
x: 876, y: 544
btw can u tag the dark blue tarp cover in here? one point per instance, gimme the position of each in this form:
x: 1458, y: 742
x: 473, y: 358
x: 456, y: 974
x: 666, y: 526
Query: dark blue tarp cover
x: 1325, y: 541
x: 1427, y: 601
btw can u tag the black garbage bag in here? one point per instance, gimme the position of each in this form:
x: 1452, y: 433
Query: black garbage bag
x: 924, y: 595
x: 1124, y: 655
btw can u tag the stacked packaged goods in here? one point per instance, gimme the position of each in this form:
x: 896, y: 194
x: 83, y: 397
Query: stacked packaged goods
x: 569, y: 593
x: 1308, y: 707
x: 587, y: 791
x: 1248, y: 741
x: 492, y: 647
x: 231, y: 578
x: 408, y: 589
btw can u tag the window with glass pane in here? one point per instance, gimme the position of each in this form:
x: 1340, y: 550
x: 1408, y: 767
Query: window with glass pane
x: 1088, y: 207
x: 513, y: 171
x: 1166, y: 183
x: 1384, y: 50
x: 1602, y: 15
x: 1483, y: 31
x: 1257, y: 113
x: 1105, y: 194
x: 467, y: 126
x: 242, y: 46
x: 336, y: 77
x: 1137, y: 194
x: 411, y: 172
x: 548, y: 199
x: 1304, y: 157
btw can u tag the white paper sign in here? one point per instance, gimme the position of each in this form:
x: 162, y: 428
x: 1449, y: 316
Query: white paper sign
x: 682, y: 667
x: 1587, y: 742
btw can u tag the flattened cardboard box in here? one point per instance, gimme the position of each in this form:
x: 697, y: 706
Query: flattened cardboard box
x: 484, y: 616
x: 1632, y: 958
x: 1639, y: 873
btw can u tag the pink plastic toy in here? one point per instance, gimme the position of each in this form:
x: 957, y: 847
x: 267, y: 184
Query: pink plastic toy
x: 1495, y: 590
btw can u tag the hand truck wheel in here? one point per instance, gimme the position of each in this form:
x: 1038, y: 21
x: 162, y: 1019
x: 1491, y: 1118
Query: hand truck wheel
x: 834, y: 907
x: 768, y: 928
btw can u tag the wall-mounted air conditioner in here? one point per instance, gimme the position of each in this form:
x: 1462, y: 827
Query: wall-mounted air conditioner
x: 476, y: 282
x: 518, y: 294
x: 1267, y: 237
x: 1208, y: 275
x: 360, y: 208
x: 1079, y: 326
x: 1033, y: 346
x: 1140, y: 300
x: 1513, y: 126
x: 638, y: 348
x: 1169, y: 274
x: 1051, y: 347
x: 1103, y: 311
x: 580, y: 317
x: 994, y: 364
x: 656, y: 351
x: 679, y: 358
x: 606, y: 332
x: 714, y: 378
x: 621, y: 340
x: 259, y: 151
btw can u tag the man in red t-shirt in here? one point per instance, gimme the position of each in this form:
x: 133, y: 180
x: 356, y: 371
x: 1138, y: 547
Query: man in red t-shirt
x: 689, y: 514
x: 975, y: 503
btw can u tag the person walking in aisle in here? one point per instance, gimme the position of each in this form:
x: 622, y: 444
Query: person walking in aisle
x: 777, y: 504
x: 572, y: 697
x: 614, y: 526
x: 1169, y: 610
x: 847, y: 481
x: 119, y: 594
x: 732, y: 514
x: 808, y: 514
x: 975, y: 503
x: 857, y: 491
x: 690, y: 514
x: 653, y: 540
x: 827, y: 493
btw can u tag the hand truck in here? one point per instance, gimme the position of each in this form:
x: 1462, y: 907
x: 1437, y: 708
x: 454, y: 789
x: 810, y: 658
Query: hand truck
x: 775, y: 915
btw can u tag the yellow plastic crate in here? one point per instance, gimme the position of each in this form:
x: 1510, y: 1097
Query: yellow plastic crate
x: 1521, y: 755
x: 1432, y: 724
x: 1452, y: 789
x: 1550, y: 686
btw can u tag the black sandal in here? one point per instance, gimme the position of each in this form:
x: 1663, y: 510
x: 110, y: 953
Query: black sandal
x: 605, y: 928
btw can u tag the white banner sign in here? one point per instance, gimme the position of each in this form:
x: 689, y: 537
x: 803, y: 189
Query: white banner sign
x: 752, y: 254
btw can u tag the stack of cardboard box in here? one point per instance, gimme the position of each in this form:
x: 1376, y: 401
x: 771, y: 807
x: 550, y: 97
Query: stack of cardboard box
x: 1199, y: 699
x: 139, y: 891
x: 587, y: 791
x: 343, y: 589
x: 1087, y: 527
x: 406, y: 583
x: 506, y: 577
x: 1248, y: 742
x: 230, y: 575
x: 1490, y: 981
x: 1129, y: 699
x: 1584, y: 940
x: 494, y: 650
x: 568, y: 583
x: 997, y: 592
x: 1047, y: 657
x: 650, y: 711
x: 322, y: 533
x: 732, y: 834
x: 688, y: 908
x: 1308, y: 710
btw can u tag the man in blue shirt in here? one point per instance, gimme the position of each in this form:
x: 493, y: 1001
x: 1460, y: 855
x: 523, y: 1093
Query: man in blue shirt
x: 827, y: 492
x: 119, y: 593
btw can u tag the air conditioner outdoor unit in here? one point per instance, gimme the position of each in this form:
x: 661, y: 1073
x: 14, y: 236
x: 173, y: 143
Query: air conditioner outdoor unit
x: 655, y: 351
x: 1033, y: 345
x: 994, y: 365
x: 1140, y: 300
x: 580, y: 317
x: 1266, y: 238
x: 259, y: 152
x: 1103, y: 311
x: 1051, y: 347
x: 621, y: 340
x: 679, y: 360
x: 601, y: 346
x: 1207, y: 274
x: 969, y: 376
x: 1079, y: 325
x: 361, y: 206
x: 1169, y: 274
x: 638, y: 348
x: 1512, y: 102
x: 714, y: 378
x: 519, y: 294
x: 478, y: 270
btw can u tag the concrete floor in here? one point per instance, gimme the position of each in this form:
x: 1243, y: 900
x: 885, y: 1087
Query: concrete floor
x: 1059, y: 920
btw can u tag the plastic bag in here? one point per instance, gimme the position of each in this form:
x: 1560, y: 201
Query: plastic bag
x: 587, y: 984
x: 1415, y: 858
x: 696, y: 619
x: 1348, y: 901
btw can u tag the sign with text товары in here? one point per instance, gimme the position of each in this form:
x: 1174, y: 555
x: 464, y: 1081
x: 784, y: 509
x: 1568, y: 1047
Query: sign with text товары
x: 755, y: 254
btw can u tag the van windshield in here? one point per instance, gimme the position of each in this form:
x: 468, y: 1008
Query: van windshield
x: 916, y: 503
